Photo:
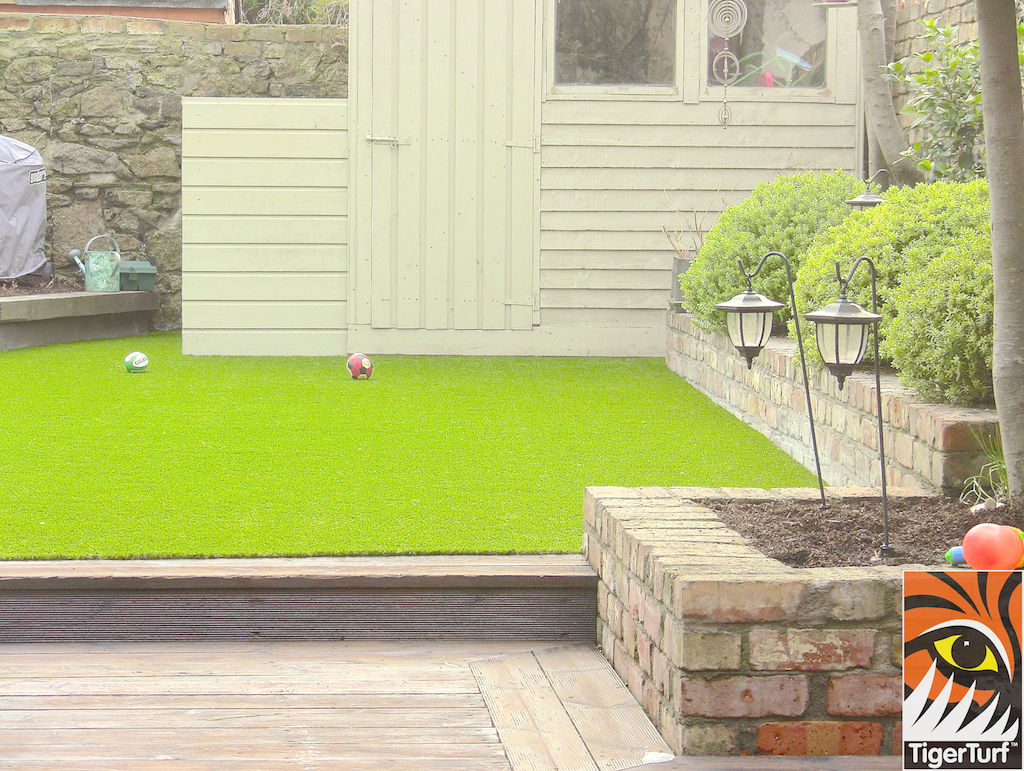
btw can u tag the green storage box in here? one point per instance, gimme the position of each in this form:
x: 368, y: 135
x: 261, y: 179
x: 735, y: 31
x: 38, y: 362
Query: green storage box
x: 138, y: 276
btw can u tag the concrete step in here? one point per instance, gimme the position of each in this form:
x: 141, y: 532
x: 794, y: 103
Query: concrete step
x: 520, y: 597
x: 32, y: 320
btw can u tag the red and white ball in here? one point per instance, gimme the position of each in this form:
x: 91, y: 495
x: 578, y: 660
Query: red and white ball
x: 360, y: 366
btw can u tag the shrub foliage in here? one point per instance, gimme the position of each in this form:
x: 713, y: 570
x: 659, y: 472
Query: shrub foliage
x: 901, y: 236
x: 784, y: 216
x: 941, y: 337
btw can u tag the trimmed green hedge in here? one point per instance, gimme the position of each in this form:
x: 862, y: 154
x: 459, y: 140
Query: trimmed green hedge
x: 784, y: 216
x: 941, y: 337
x: 902, y: 236
x: 932, y: 249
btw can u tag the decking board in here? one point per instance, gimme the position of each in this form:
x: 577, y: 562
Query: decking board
x: 361, y: 705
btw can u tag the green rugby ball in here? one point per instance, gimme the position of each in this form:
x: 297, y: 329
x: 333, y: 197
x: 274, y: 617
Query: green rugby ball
x: 136, y: 362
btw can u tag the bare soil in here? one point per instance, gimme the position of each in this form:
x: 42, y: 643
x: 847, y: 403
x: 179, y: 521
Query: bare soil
x: 30, y: 285
x: 801, y: 534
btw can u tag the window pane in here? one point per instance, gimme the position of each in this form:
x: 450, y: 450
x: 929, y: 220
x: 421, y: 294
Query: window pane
x: 615, y: 42
x: 766, y: 43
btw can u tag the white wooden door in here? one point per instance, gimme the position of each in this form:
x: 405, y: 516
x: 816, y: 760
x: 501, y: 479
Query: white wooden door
x: 448, y: 102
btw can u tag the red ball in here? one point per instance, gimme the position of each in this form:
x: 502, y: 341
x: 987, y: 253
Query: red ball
x: 993, y: 547
x: 360, y: 366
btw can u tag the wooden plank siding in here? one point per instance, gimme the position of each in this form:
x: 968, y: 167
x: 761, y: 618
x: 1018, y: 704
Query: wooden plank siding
x: 616, y: 167
x: 491, y: 212
x: 264, y: 226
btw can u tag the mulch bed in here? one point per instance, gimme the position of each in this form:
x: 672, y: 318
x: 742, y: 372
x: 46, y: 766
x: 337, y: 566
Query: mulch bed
x: 803, y: 535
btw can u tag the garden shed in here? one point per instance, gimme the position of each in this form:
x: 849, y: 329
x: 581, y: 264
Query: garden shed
x: 497, y: 181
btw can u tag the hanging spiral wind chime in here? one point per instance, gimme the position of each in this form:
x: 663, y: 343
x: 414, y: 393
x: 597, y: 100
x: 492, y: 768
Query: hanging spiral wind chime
x: 726, y: 19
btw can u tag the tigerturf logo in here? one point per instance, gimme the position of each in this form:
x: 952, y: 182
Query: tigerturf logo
x: 962, y: 670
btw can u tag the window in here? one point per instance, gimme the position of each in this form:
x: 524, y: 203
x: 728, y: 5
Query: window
x: 766, y: 43
x: 615, y: 42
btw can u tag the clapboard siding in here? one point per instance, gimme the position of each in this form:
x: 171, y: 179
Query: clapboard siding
x: 617, y: 171
x: 773, y: 114
x: 604, y: 318
x: 265, y: 226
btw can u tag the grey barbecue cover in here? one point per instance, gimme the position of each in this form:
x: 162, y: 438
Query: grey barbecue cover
x: 22, y: 208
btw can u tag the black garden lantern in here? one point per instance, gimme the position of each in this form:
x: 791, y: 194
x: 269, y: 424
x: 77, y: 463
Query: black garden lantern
x: 841, y: 330
x: 748, y: 319
x: 867, y: 199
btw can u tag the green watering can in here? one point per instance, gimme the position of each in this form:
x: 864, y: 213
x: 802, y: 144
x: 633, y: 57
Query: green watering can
x: 101, y: 269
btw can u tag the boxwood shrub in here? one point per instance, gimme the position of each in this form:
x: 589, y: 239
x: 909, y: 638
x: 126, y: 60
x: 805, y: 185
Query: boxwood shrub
x: 940, y: 338
x: 901, y: 236
x: 784, y: 216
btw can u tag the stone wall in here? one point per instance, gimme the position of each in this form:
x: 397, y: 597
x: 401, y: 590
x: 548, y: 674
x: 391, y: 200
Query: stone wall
x: 962, y: 14
x: 931, y: 447
x: 100, y: 97
x: 730, y: 652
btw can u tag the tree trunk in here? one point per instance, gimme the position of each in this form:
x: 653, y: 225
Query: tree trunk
x: 883, y: 125
x: 1004, y: 141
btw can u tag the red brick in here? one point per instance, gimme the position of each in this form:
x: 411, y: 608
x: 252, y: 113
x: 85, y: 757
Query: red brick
x: 56, y: 24
x: 783, y: 695
x: 644, y: 652
x: 144, y: 26
x: 819, y: 737
x: 737, y: 601
x: 662, y: 671
x: 811, y: 649
x: 17, y: 23
x: 102, y: 24
x: 629, y: 634
x: 897, y: 738
x: 864, y: 695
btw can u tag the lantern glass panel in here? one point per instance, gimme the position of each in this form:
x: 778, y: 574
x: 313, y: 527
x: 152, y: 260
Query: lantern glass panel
x: 749, y: 330
x: 841, y: 343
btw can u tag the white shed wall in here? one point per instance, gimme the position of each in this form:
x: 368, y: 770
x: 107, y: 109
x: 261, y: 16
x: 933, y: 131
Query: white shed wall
x: 615, y: 167
x: 264, y: 226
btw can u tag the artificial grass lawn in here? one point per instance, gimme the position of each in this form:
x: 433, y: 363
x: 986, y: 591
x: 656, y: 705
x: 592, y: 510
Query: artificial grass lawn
x: 243, y: 456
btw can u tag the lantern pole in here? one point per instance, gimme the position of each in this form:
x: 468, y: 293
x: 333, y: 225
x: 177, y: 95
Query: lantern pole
x: 800, y: 346
x: 886, y: 550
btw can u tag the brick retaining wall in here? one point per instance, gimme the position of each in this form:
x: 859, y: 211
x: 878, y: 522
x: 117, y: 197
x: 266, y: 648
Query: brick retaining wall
x: 931, y: 447
x: 731, y: 652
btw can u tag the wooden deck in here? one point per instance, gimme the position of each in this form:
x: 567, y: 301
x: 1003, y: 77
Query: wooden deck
x: 329, y: 663
x: 514, y: 706
x: 766, y: 763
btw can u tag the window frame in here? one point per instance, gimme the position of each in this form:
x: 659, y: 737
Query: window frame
x: 622, y: 91
x: 820, y: 94
x: 691, y: 76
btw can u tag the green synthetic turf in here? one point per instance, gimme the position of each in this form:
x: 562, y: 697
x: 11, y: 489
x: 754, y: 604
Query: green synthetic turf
x: 236, y: 456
